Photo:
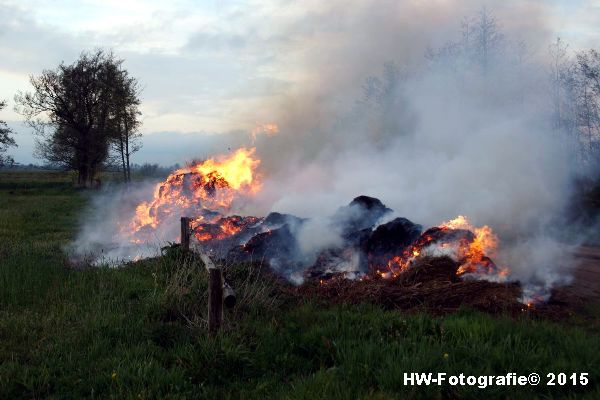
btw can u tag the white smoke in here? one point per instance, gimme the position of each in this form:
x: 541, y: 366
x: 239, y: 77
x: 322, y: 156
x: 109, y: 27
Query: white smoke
x: 432, y: 138
x: 104, y: 238
x: 316, y: 235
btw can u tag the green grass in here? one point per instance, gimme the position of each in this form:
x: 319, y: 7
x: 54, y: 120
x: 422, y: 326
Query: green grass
x: 138, y: 331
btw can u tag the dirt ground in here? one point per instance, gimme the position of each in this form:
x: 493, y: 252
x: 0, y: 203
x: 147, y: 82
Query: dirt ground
x: 586, y: 281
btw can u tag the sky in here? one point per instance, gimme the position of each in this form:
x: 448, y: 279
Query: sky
x: 224, y: 67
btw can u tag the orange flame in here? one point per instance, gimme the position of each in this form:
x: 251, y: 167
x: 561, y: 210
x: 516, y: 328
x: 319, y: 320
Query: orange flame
x: 223, y: 228
x: 236, y: 171
x: 477, y: 252
x: 473, y: 254
x: 212, y: 184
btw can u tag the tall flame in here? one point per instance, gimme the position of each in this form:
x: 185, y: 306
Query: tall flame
x: 237, y: 170
x: 210, y: 185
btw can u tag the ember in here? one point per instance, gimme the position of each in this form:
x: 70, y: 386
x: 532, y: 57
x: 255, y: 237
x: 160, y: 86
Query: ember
x: 223, y: 228
x: 458, y: 239
x: 389, y: 251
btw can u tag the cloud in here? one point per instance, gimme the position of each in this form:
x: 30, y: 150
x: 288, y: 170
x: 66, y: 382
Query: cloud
x: 168, y: 148
x: 216, y: 41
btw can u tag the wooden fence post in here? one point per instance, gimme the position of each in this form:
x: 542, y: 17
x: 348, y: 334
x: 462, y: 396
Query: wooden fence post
x: 219, y: 293
x: 215, y: 300
x: 185, y: 233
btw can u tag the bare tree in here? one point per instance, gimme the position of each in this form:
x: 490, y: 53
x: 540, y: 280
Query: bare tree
x: 126, y: 121
x: 575, y: 93
x: 589, y: 97
x: 386, y: 105
x: 487, y: 39
x: 481, y: 42
x: 560, y: 80
x: 6, y: 140
x: 73, y: 109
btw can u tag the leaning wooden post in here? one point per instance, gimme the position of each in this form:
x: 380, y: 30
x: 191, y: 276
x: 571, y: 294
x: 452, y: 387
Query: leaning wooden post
x: 185, y: 233
x: 228, y: 295
x: 215, y: 300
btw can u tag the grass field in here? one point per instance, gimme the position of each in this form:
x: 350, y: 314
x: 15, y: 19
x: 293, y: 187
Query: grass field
x: 138, y: 331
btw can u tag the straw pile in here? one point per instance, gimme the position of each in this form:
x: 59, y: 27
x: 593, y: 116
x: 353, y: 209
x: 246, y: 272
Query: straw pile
x: 431, y: 283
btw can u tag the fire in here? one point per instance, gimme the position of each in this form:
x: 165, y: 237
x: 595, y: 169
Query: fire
x: 476, y: 253
x: 235, y: 171
x: 202, y: 190
x: 223, y: 228
x: 469, y: 245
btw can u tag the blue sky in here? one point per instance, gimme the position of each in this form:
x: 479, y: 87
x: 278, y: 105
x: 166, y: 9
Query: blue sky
x: 214, y: 67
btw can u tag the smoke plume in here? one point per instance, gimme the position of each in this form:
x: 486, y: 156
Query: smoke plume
x: 402, y: 101
x: 433, y: 127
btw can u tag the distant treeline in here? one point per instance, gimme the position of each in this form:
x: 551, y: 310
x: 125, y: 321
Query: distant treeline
x: 146, y: 170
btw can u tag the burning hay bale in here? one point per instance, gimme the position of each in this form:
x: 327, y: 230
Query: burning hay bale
x: 358, y: 244
x: 390, y: 239
x: 230, y: 234
x: 224, y: 227
x: 277, y: 243
x: 395, y: 250
x: 226, y: 232
x: 203, y: 190
x: 273, y: 244
x: 277, y: 220
x: 444, y: 234
x: 354, y: 223
x: 362, y: 213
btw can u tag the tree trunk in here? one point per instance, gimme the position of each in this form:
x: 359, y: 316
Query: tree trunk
x: 85, y: 176
x: 91, y: 174
x: 82, y: 177
x: 128, y: 173
x: 122, y: 150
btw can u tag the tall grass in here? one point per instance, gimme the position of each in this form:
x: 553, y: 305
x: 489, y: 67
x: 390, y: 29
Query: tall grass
x: 139, y: 331
x: 184, y: 280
